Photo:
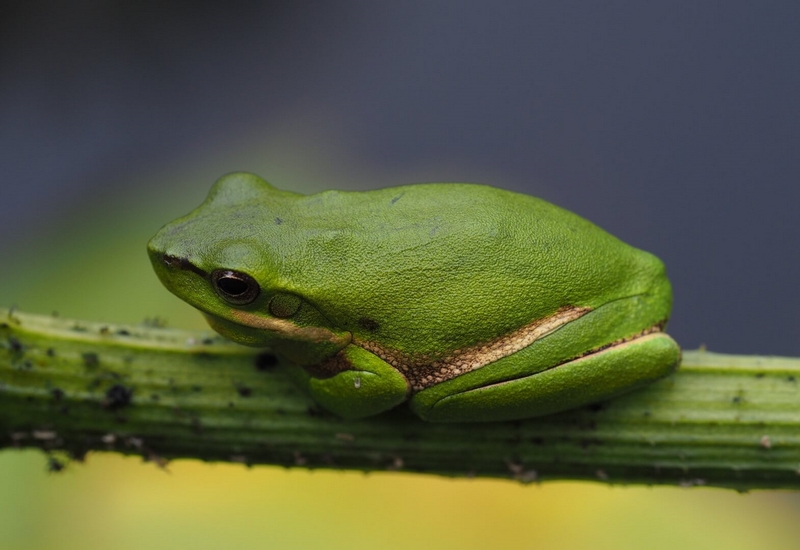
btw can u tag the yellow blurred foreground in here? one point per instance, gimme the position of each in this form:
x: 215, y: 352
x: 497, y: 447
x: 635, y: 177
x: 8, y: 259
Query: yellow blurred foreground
x: 120, y: 503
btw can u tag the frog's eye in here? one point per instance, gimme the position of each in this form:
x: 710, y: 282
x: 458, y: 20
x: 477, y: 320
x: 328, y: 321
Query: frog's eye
x: 235, y: 287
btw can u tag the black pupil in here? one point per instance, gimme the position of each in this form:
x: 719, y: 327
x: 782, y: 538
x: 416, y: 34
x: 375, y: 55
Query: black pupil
x: 232, y: 286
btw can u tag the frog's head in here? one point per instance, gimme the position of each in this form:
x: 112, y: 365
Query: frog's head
x: 220, y: 259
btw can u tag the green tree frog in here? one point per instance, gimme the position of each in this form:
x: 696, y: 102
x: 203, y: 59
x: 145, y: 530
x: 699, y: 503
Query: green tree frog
x: 469, y: 302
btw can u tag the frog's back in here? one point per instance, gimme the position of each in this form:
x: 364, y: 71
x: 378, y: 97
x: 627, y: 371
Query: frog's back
x: 456, y: 262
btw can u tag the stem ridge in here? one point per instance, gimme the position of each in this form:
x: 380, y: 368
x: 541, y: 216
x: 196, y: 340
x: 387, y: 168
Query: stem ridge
x: 75, y: 386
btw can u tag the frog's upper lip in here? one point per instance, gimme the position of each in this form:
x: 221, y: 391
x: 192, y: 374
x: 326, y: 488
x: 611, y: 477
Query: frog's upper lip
x: 289, y: 329
x: 280, y: 327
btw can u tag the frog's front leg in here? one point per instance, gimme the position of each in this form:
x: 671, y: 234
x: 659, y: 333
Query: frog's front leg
x: 354, y: 383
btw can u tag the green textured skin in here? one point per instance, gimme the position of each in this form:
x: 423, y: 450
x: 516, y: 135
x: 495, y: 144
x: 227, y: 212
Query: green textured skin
x: 425, y: 270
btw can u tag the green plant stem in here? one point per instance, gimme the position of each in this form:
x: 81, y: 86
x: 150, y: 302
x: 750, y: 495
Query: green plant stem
x: 721, y: 420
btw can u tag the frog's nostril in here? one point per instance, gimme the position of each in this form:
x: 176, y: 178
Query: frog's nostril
x: 175, y: 262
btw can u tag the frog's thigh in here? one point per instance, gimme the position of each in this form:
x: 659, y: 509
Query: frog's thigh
x: 579, y: 382
x: 369, y: 387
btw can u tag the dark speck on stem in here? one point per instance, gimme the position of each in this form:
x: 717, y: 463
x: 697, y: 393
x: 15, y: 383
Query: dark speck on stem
x: 55, y: 465
x: 265, y: 362
x: 117, y: 397
x: 14, y: 344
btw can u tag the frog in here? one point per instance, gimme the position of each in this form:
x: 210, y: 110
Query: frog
x: 465, y: 302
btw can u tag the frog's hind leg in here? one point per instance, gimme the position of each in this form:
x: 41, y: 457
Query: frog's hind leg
x: 588, y: 379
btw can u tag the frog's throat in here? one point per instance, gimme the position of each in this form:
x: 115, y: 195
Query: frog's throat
x: 422, y: 373
x: 287, y: 329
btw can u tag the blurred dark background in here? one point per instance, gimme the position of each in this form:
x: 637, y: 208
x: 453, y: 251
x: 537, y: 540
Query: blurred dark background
x: 674, y: 125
